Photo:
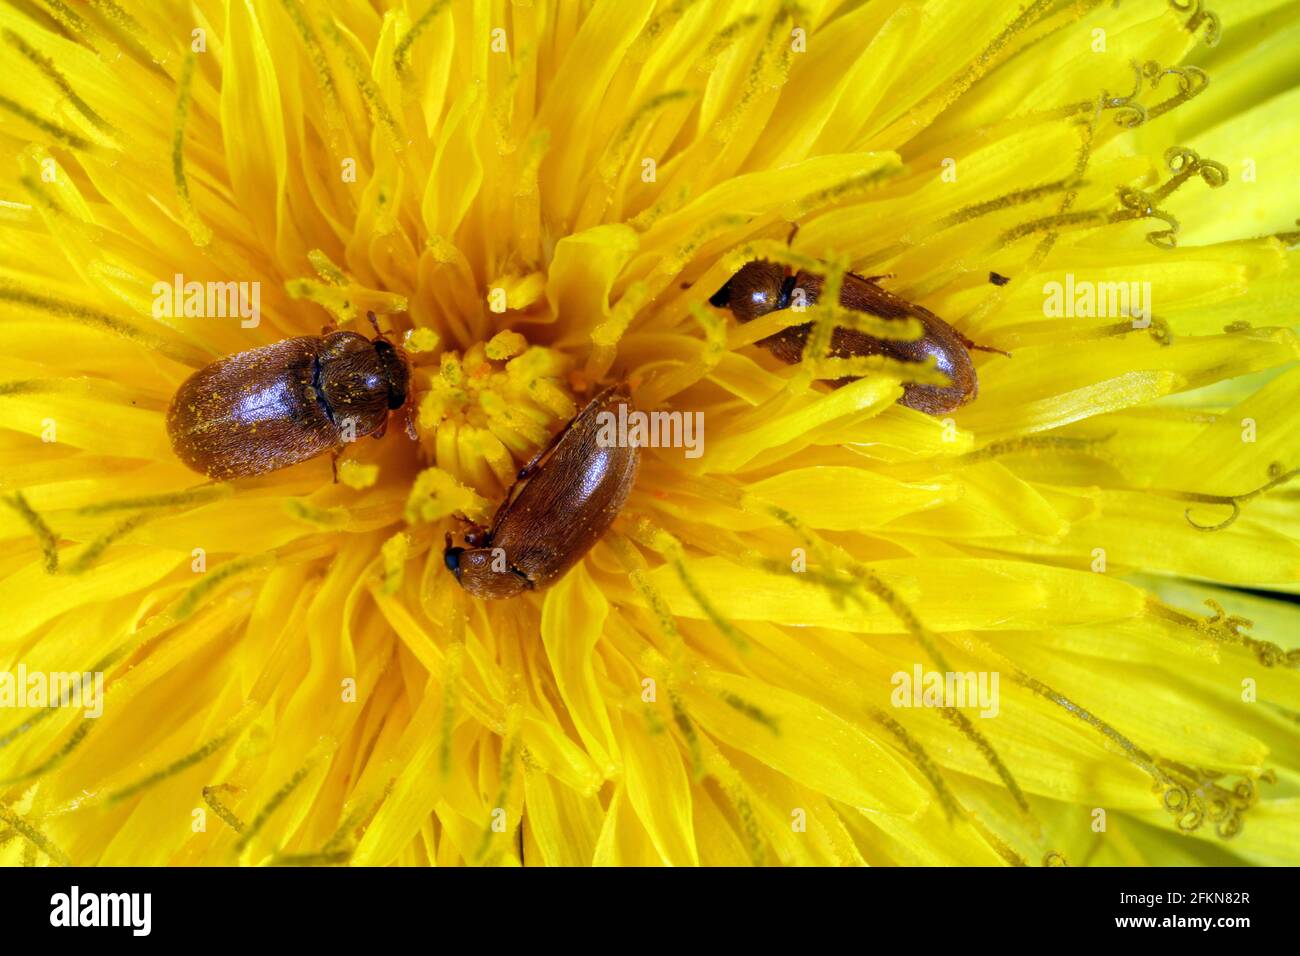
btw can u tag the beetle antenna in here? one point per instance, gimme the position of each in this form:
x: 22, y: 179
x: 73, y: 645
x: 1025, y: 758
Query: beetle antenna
x: 794, y: 231
x: 375, y: 323
x: 981, y: 348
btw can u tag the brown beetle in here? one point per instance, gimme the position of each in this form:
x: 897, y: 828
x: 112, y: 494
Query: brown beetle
x: 761, y: 287
x: 280, y: 404
x: 571, y: 493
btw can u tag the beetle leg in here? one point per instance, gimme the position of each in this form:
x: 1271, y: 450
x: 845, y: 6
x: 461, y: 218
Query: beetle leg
x: 411, y: 433
x: 334, y: 463
x: 383, y: 427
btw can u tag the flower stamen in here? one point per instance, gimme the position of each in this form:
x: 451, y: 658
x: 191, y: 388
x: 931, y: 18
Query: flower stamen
x: 723, y: 40
x: 982, y: 744
x: 45, y: 536
x: 218, y: 806
x: 75, y: 740
x: 74, y: 23
x: 380, y: 112
x: 129, y: 29
x: 320, y: 63
x: 318, y: 753
x: 1213, y: 26
x: 200, y: 495
x: 198, y: 230
x: 672, y: 551
x: 52, y: 73
x: 190, y: 600
x: 96, y: 548
x: 1277, y: 477
x: 184, y: 354
x: 402, y: 52
x: 233, y: 728
x: 65, y: 136
x: 1227, y: 629
x: 952, y: 808
x: 33, y: 836
x: 509, y: 760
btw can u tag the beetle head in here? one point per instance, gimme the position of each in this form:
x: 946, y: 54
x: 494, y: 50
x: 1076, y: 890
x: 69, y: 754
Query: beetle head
x: 352, y: 382
x: 451, y: 558
x: 397, y: 372
x: 758, y: 288
x: 473, y: 569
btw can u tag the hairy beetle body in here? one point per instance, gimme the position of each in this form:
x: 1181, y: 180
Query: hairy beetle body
x: 280, y: 404
x: 569, y: 496
x: 761, y: 287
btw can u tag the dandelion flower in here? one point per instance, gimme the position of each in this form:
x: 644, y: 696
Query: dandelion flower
x: 536, y: 199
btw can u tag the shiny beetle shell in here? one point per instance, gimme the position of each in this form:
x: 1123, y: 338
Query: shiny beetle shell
x: 761, y: 287
x: 280, y: 404
x: 569, y: 497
